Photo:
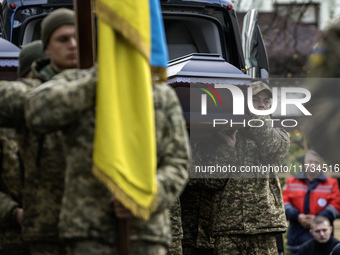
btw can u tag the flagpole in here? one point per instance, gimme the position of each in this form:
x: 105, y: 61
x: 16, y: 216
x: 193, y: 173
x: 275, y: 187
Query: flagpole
x: 124, y: 244
x: 85, y: 59
x: 84, y: 33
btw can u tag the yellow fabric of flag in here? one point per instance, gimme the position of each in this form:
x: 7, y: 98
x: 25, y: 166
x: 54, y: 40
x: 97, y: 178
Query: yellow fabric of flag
x: 124, y: 147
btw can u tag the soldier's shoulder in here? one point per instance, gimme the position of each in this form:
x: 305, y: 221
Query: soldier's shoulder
x: 165, y: 93
x: 74, y: 74
x: 24, y: 83
x: 163, y: 88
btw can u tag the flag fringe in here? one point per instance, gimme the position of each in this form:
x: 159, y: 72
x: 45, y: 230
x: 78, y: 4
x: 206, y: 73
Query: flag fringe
x: 119, y: 24
x: 159, y: 74
x: 123, y: 198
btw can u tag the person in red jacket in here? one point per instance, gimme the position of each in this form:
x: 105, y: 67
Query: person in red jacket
x: 307, y: 194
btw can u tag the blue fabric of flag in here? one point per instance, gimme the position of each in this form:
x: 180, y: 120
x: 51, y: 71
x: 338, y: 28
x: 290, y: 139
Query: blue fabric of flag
x: 159, y: 51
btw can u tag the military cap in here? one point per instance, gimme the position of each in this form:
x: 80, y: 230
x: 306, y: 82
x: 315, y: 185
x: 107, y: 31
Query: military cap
x: 29, y: 53
x: 259, y: 86
x: 53, y: 21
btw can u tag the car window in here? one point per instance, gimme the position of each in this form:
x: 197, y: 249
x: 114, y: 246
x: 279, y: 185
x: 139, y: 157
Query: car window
x: 189, y: 34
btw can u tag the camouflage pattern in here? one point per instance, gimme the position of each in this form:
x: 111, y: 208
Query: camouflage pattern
x: 11, y: 188
x: 204, y: 239
x: 86, y: 212
x: 259, y: 86
x: 196, y: 202
x: 249, y: 204
x: 12, y: 99
x: 144, y: 247
x: 96, y: 247
x: 43, y: 160
x: 175, y: 247
x: 246, y: 245
x: 190, y: 203
x: 196, y: 216
x: 176, y: 229
x: 322, y: 129
x: 44, y: 179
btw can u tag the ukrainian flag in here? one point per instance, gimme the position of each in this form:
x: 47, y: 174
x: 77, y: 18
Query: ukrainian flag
x: 131, y: 54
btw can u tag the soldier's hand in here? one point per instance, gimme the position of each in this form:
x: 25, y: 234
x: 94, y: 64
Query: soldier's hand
x: 120, y: 211
x: 229, y: 139
x: 19, y: 215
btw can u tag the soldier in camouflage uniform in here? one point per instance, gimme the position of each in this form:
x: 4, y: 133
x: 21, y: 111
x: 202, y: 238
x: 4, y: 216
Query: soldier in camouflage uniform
x: 248, y: 208
x: 88, y: 223
x: 42, y: 155
x: 12, y: 170
x: 196, y: 216
x: 322, y: 128
x: 11, y: 186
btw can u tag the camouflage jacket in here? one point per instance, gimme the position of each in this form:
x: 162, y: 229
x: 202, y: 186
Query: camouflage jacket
x: 43, y: 160
x: 11, y: 188
x: 196, y: 215
x: 176, y: 221
x: 249, y: 203
x: 86, y: 212
x: 196, y: 203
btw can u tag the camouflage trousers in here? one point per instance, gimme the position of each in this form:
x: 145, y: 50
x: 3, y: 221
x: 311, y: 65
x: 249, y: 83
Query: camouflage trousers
x: 175, y: 247
x: 97, y: 247
x: 264, y: 244
x: 47, y: 248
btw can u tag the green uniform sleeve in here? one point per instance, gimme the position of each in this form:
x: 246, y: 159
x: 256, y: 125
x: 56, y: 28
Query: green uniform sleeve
x: 172, y: 147
x: 272, y: 143
x: 213, y: 153
x: 12, y: 99
x: 60, y: 101
x: 11, y: 178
